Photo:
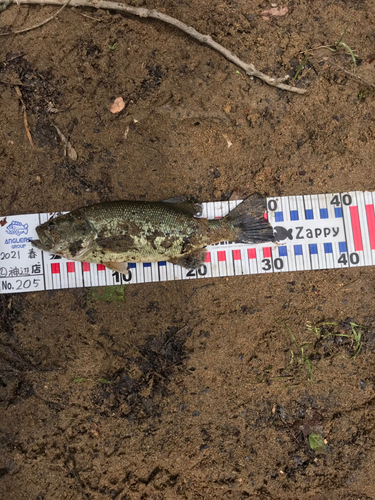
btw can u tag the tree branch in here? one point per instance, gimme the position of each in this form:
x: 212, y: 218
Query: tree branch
x: 249, y: 69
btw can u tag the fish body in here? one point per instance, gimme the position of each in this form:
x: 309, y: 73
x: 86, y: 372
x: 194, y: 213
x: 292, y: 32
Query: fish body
x: 118, y: 232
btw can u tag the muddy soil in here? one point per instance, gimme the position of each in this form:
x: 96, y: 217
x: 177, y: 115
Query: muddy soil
x: 188, y: 390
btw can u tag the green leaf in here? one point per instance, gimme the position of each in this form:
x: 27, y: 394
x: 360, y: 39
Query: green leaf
x: 80, y: 379
x: 104, y: 381
x: 317, y: 444
x: 113, y: 293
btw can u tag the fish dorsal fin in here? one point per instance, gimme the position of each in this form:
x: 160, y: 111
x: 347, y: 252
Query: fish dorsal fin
x: 254, y: 205
x: 185, y: 206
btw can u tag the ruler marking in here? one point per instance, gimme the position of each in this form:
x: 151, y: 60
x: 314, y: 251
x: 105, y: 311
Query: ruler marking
x: 230, y: 261
x: 221, y: 209
x: 237, y: 261
x: 287, y: 201
x: 56, y: 277
x: 170, y: 271
x: 139, y: 272
x: 332, y: 217
x: 371, y: 224
x: 364, y: 228
x: 327, y: 245
x: 210, y: 259
x: 343, y: 245
x: 154, y: 272
x: 356, y: 228
x: 64, y: 274
x: 179, y: 272
x: 163, y: 271
x: 78, y: 273
x: 94, y: 275
x: 371, y: 202
x: 107, y: 277
x: 313, y: 247
x: 370, y: 220
x: 42, y: 257
x: 300, y: 250
x: 100, y: 269
x: 252, y: 260
x: 86, y: 274
x: 207, y: 263
x: 147, y: 272
x: 277, y: 261
x: 245, y: 261
x: 233, y: 263
x: 214, y: 264
x: 352, y: 261
x: 323, y: 211
x: 309, y: 215
x: 358, y: 245
x: 329, y: 249
x: 261, y: 266
x: 70, y: 273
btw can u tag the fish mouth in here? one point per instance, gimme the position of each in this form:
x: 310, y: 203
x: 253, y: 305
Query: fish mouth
x: 37, y: 244
x: 45, y: 242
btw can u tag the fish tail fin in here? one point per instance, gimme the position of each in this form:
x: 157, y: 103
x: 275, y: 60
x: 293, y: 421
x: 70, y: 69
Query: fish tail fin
x: 248, y: 222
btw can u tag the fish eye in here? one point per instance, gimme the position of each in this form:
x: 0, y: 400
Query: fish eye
x: 51, y: 225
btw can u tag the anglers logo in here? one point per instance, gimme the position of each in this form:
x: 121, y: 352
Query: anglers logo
x: 17, y: 228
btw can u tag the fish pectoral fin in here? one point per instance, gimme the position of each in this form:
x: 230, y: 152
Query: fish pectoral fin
x: 185, y: 206
x: 191, y: 260
x: 118, y: 267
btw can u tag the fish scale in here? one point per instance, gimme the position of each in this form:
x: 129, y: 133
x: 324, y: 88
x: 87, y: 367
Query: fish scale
x: 319, y: 231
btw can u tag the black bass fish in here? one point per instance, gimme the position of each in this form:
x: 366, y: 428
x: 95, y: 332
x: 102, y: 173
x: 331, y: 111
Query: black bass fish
x: 117, y: 232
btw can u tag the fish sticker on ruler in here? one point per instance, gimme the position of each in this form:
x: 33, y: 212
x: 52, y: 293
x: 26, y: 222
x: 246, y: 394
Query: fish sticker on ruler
x: 326, y: 231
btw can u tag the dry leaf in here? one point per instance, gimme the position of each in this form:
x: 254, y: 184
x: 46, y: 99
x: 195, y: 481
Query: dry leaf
x: 275, y: 12
x: 370, y: 59
x: 67, y: 146
x: 117, y: 105
x: 3, y: 222
x: 72, y: 153
x: 229, y: 142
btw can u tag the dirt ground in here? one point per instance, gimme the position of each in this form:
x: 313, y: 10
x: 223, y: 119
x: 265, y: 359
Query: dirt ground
x: 187, y: 390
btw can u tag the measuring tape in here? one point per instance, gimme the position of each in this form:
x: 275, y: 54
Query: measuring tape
x: 326, y: 231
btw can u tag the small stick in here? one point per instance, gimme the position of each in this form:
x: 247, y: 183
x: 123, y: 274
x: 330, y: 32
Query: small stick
x: 12, y: 59
x: 249, y: 69
x: 90, y: 17
x: 18, y: 92
x: 353, y: 75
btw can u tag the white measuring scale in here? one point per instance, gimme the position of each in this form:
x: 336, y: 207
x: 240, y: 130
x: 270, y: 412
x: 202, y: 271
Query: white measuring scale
x: 326, y: 231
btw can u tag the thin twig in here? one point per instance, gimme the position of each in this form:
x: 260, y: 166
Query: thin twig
x: 28, y: 133
x: 353, y: 75
x: 90, y: 17
x: 43, y: 22
x: 12, y: 58
x: 249, y: 69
